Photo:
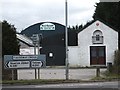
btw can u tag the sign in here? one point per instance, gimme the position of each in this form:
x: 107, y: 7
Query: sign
x: 35, y: 64
x: 24, y: 61
x: 47, y: 26
x: 35, y: 38
x: 18, y: 64
x: 23, y: 57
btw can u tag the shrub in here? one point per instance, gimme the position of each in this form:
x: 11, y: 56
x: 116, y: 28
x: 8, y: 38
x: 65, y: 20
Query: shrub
x: 116, y: 66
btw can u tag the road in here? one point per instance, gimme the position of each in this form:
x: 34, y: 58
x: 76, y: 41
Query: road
x: 114, y: 85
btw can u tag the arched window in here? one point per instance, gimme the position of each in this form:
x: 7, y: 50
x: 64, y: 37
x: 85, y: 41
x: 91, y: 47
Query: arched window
x: 97, y: 37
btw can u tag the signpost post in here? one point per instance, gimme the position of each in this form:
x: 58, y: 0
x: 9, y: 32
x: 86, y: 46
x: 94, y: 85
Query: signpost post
x: 36, y: 41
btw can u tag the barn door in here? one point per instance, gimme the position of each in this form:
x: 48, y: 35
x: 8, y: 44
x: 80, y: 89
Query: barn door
x: 97, y: 55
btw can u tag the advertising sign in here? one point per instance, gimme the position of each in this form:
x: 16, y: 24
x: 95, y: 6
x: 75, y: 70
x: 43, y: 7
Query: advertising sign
x: 47, y: 26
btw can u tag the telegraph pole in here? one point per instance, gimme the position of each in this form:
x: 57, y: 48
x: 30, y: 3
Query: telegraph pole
x: 66, y: 40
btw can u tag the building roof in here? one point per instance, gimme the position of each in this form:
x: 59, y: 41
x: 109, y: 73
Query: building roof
x: 25, y: 39
x: 91, y: 22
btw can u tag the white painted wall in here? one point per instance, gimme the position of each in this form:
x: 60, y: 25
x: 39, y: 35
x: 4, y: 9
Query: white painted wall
x: 28, y: 51
x: 73, y: 56
x: 26, y: 73
x: 80, y: 55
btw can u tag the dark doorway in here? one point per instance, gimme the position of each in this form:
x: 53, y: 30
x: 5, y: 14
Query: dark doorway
x: 97, y: 55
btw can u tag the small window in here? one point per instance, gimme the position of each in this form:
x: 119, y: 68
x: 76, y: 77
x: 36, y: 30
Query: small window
x: 51, y: 54
x: 97, y: 37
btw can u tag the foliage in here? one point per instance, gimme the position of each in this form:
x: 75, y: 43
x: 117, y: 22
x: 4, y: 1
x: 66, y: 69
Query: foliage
x: 108, y: 12
x: 76, y: 28
x: 10, y: 44
x: 116, y: 66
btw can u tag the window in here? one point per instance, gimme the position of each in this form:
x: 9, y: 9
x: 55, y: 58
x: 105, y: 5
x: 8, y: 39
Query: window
x: 93, y: 52
x: 97, y: 37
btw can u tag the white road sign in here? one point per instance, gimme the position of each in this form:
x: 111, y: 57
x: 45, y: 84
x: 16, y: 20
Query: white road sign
x: 36, y: 64
x: 18, y: 64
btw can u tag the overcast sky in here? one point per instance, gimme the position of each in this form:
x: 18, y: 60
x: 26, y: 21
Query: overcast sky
x: 23, y: 13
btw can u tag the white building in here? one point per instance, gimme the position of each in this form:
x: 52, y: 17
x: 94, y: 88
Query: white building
x: 26, y: 45
x: 96, y: 46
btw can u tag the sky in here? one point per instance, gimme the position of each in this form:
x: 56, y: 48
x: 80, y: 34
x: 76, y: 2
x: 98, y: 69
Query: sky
x: 23, y: 13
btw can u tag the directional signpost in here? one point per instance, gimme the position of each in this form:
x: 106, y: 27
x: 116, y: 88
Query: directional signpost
x: 18, y: 64
x: 36, y: 64
x: 24, y: 61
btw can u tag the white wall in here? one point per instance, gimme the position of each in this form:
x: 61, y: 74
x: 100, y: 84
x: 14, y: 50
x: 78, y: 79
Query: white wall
x: 73, y: 58
x: 26, y: 73
x: 28, y: 51
x: 82, y: 51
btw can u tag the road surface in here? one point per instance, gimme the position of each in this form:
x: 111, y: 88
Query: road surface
x: 114, y: 85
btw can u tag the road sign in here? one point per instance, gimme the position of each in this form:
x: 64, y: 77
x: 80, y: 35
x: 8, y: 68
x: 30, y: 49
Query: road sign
x: 24, y: 57
x: 36, y: 64
x: 24, y: 61
x: 18, y: 64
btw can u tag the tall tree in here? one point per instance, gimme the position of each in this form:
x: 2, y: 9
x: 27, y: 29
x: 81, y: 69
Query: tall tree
x: 108, y: 12
x: 10, y: 46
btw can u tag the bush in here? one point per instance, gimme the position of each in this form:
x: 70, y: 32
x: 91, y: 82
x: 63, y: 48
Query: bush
x: 116, y: 66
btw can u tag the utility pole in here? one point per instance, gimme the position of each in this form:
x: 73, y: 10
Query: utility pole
x: 66, y: 40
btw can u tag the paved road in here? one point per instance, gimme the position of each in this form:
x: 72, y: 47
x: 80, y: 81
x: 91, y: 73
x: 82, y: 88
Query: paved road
x: 81, y: 86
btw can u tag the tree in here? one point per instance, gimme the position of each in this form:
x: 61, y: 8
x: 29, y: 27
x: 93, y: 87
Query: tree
x: 72, y: 34
x: 10, y: 46
x: 108, y: 12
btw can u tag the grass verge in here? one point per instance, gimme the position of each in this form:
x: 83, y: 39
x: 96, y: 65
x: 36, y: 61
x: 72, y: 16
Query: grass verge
x: 107, y: 77
x: 29, y: 82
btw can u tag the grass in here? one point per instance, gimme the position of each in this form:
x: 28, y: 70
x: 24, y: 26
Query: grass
x: 106, y: 76
x: 29, y: 82
x: 112, y: 76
